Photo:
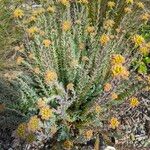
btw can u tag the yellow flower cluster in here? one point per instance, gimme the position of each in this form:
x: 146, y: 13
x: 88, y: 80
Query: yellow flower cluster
x: 117, y: 59
x: 108, y: 24
x: 66, y: 25
x: 21, y: 130
x: 107, y: 87
x: 47, y: 43
x: 88, y: 134
x: 70, y: 86
x: 68, y: 145
x: 129, y: 1
x: 33, y: 124
x: 19, y: 60
x: 114, y: 96
x: 134, y: 102
x: 145, y: 17
x: 114, y: 123
x: 120, y: 71
x: 41, y: 103
x: 18, y: 13
x: 127, y: 10
x: 51, y: 9
x: 104, y: 39
x: 65, y: 2
x: 138, y: 40
x: 111, y: 4
x: 46, y: 113
x: 90, y: 29
x: 140, y: 5
x: 31, y: 31
x: 50, y: 76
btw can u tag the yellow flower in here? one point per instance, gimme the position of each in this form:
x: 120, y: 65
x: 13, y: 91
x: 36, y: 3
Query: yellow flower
x: 47, y: 42
x: 21, y: 130
x: 65, y: 2
x: 81, y: 46
x: 117, y: 59
x: 70, y: 86
x: 108, y: 24
x: 120, y: 71
x: 84, y: 1
x: 114, y: 96
x: 114, y: 123
x: 90, y: 29
x: 19, y: 60
x: 66, y: 25
x: 18, y: 13
x: 33, y: 124
x: 144, y: 49
x: 140, y: 5
x: 138, y: 40
x: 145, y: 17
x: 50, y: 76
x: 31, y: 31
x: 127, y: 10
x: 85, y: 59
x: 32, y: 18
x: 46, y: 113
x: 129, y: 1
x: 111, y: 4
x: 107, y: 87
x: 134, y: 102
x: 51, y: 9
x: 88, y: 134
x: 37, y: 70
x: 41, y: 103
x: 68, y: 144
x: 98, y: 108
x: 104, y: 39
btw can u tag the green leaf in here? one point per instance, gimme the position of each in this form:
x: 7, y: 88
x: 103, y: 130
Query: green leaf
x: 142, y: 69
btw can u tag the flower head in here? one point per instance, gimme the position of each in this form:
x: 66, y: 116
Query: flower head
x: 90, y: 29
x: 120, y: 71
x: 68, y: 144
x: 140, y: 5
x: 107, y: 87
x: 66, y: 25
x: 129, y: 1
x: 144, y: 49
x: 46, y: 113
x: 50, y: 76
x: 51, y: 9
x: 70, y: 86
x: 33, y: 124
x: 98, y: 108
x: 138, y: 40
x: 65, y: 2
x: 41, y: 103
x: 134, y: 102
x: 127, y: 10
x: 108, y: 24
x: 114, y: 96
x: 21, y: 130
x: 46, y: 43
x: 18, y: 13
x: 88, y: 134
x: 37, y: 70
x: 117, y: 59
x: 114, y: 123
x: 145, y: 17
x: 31, y: 31
x: 111, y: 4
x: 19, y: 60
x: 104, y: 39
